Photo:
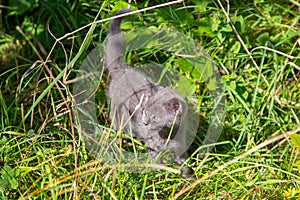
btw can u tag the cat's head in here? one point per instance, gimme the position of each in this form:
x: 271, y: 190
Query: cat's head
x: 165, y: 114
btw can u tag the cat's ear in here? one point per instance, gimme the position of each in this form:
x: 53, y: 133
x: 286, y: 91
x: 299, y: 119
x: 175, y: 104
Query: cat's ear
x: 173, y: 106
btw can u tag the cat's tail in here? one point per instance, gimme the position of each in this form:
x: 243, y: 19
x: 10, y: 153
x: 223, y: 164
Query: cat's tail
x: 115, y: 43
x: 115, y: 26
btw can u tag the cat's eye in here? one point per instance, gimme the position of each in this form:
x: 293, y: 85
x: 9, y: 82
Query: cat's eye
x: 155, y: 117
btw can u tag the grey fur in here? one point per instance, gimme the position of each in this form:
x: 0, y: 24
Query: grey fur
x: 141, y: 107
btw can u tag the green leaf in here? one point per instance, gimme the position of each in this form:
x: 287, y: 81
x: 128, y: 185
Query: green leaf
x: 214, y: 23
x: 205, y: 68
x: 187, y: 67
x: 263, y: 38
x: 232, y: 85
x: 236, y: 47
x: 201, y: 5
x: 295, y: 139
x: 185, y: 87
x: 239, y: 24
x: 14, y: 183
x: 174, y: 16
x: 206, y: 25
x: 120, y: 5
x: 212, y: 84
x: 9, y: 178
x: 298, y: 165
x: 4, y: 183
x: 227, y: 28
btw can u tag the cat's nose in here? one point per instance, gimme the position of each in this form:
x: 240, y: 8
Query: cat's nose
x: 146, y: 122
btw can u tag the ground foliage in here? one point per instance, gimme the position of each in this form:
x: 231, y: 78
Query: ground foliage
x: 256, y: 46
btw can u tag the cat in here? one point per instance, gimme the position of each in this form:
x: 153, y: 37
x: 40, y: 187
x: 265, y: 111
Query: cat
x: 153, y: 114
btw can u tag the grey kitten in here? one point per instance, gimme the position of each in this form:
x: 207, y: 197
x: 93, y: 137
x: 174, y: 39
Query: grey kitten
x: 153, y: 114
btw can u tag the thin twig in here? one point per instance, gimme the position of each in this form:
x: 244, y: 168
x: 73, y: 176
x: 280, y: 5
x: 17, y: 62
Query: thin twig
x: 276, y: 51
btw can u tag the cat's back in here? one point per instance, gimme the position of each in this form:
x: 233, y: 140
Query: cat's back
x: 126, y: 82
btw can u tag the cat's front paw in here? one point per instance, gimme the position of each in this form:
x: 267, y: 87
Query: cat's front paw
x: 188, y: 173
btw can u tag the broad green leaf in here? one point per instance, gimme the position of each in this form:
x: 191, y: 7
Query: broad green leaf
x: 205, y: 25
x: 239, y: 24
x: 199, y: 68
x: 201, y: 5
x: 236, y: 47
x: 214, y: 23
x: 295, y: 139
x: 8, y: 178
x: 174, y: 16
x: 4, y: 183
x: 187, y: 67
x: 227, y: 28
x: 212, y: 84
x: 232, y: 85
x: 204, y: 67
x: 185, y: 87
x: 120, y: 5
x: 14, y: 183
x: 221, y: 37
x: 263, y: 38
x: 298, y: 165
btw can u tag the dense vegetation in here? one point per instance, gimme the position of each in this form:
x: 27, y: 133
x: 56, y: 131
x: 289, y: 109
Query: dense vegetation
x: 256, y: 48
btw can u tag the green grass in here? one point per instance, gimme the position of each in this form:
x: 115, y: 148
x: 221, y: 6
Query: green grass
x: 257, y: 54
